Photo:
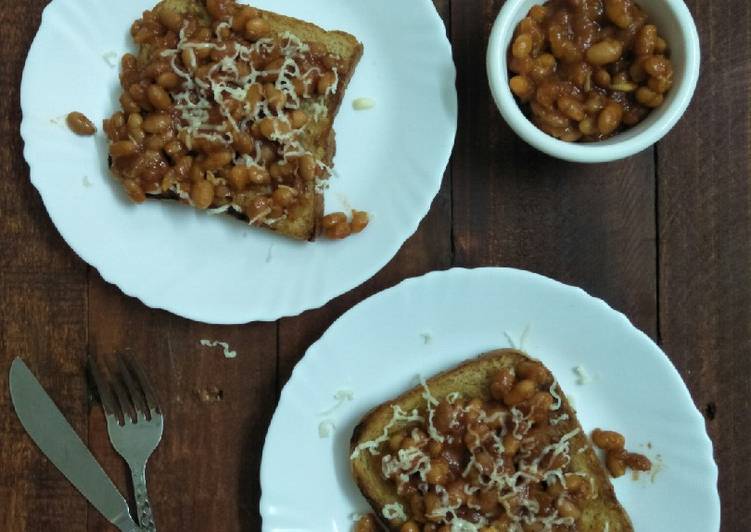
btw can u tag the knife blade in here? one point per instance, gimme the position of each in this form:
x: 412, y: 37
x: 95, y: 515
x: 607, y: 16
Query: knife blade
x: 58, y: 441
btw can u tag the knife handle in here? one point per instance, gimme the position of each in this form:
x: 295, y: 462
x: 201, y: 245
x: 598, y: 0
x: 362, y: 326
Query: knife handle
x: 143, y: 505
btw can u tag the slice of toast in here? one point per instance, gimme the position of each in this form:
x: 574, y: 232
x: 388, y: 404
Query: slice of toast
x: 601, y: 512
x: 300, y: 220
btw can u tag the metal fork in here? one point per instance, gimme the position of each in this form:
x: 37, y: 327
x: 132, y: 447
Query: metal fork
x: 134, y: 422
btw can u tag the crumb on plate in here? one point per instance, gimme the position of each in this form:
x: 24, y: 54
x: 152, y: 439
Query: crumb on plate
x: 362, y: 104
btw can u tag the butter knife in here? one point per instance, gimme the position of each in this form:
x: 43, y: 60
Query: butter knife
x: 59, y: 442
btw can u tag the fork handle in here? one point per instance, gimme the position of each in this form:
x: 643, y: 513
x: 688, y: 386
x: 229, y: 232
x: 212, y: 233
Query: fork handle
x: 143, y: 505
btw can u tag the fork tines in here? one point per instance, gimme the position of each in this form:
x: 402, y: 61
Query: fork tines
x: 128, y: 392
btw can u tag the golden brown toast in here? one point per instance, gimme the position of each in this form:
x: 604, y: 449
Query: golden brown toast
x: 300, y: 220
x: 600, y: 512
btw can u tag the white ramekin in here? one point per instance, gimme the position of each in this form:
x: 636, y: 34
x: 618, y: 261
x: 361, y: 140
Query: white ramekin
x: 675, y: 25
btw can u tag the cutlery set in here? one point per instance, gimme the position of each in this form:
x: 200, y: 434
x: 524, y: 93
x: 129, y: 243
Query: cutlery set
x: 135, y: 424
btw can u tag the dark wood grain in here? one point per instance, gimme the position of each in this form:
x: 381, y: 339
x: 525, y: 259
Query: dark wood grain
x: 704, y: 209
x: 204, y: 476
x: 664, y: 237
x: 42, y: 310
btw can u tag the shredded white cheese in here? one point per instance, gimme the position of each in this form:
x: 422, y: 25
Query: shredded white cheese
x: 334, y: 86
x: 356, y: 516
x: 228, y: 353
x: 406, y: 463
x: 531, y: 466
x: 398, y: 416
x: 582, y: 375
x: 219, y: 210
x: 446, y: 511
x: 319, y: 110
x: 394, y: 511
x: 431, y: 402
x: 326, y: 428
x: 294, y: 45
x: 110, y: 58
x: 556, y: 396
x: 460, y: 525
x: 227, y: 84
x: 341, y: 397
x: 523, y: 337
x: 520, y: 421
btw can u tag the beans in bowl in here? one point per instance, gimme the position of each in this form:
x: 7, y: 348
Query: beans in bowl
x: 584, y: 70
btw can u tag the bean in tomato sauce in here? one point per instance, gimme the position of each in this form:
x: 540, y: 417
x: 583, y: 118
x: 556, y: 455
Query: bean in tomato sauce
x: 585, y: 70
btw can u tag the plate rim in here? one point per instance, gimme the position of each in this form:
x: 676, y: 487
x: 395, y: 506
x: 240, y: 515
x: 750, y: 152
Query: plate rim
x: 248, y: 315
x: 313, y: 353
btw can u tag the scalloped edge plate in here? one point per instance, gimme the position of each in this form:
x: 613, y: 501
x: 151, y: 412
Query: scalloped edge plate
x: 391, y: 161
x: 428, y: 324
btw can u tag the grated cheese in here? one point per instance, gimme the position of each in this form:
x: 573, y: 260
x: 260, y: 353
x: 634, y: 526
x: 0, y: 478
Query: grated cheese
x: 294, y: 45
x: 220, y: 210
x: 406, y: 463
x: 582, y: 375
x: 520, y: 421
x: 110, y: 58
x: 555, y: 449
x: 442, y: 512
x: 512, y: 488
x: 398, y: 416
x: 326, y: 428
x: 394, y: 511
x: 431, y: 402
x: 319, y: 110
x: 228, y: 353
x: 556, y: 396
x: 224, y: 86
x: 341, y: 397
x: 460, y: 525
x: 334, y: 86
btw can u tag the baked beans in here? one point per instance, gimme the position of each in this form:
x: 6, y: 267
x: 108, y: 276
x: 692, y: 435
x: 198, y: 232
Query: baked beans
x: 336, y: 225
x: 462, y: 453
x: 80, y: 124
x: 216, y: 133
x: 585, y: 70
x: 617, y: 458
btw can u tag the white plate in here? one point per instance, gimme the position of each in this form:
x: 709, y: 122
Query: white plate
x: 432, y: 323
x: 390, y: 162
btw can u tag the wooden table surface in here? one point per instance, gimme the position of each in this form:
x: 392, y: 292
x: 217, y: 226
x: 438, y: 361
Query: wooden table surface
x: 664, y: 236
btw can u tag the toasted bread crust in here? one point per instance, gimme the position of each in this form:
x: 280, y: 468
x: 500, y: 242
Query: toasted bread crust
x: 320, y: 139
x: 472, y: 378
